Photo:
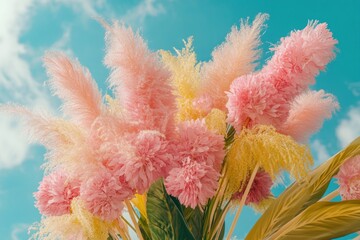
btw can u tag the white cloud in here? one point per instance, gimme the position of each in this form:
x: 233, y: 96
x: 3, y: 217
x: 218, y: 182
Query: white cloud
x: 320, y: 151
x: 137, y: 15
x: 17, y: 83
x: 349, y: 128
x: 17, y: 229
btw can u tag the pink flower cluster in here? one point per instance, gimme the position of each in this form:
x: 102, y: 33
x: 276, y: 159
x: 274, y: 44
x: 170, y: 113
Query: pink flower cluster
x: 124, y: 146
x: 267, y: 97
x: 349, y: 179
x: 198, y: 155
x: 260, y: 189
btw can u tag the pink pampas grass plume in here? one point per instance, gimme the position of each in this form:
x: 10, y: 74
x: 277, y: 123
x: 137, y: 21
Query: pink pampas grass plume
x: 193, y: 183
x: 103, y: 195
x: 140, y: 81
x: 299, y: 57
x: 194, y: 140
x: 260, y: 189
x: 307, y: 113
x: 264, y: 97
x: 233, y: 58
x: 349, y: 179
x: 149, y: 160
x: 74, y: 85
x: 55, y: 193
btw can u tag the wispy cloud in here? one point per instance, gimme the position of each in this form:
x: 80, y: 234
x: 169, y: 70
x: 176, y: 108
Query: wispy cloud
x: 18, y: 229
x: 354, y: 87
x: 349, y: 127
x: 320, y: 151
x: 137, y: 15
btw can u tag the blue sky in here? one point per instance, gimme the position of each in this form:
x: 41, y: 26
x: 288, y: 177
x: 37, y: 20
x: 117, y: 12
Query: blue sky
x: 30, y: 27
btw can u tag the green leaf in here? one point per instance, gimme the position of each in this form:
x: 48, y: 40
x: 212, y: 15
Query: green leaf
x: 195, y: 221
x: 301, y: 194
x: 323, y: 220
x: 144, y: 229
x: 165, y: 218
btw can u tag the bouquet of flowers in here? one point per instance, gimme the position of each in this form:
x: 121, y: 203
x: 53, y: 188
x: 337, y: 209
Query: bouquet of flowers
x: 178, y: 144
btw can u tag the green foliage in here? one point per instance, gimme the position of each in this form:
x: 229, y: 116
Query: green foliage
x: 166, y: 220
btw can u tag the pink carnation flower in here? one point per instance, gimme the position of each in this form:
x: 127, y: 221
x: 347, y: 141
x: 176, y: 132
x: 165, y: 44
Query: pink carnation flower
x: 193, y: 183
x: 104, y: 195
x: 260, y: 189
x: 55, y: 193
x: 252, y: 98
x: 149, y: 160
x: 349, y: 179
x: 194, y: 140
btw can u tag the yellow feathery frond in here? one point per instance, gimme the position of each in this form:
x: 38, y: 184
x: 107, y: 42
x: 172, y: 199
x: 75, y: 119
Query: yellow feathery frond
x: 114, y: 106
x: 80, y: 224
x: 273, y: 152
x: 263, y: 205
x: 216, y: 121
x: 93, y: 227
x: 140, y: 203
x: 185, y: 78
x: 57, y: 227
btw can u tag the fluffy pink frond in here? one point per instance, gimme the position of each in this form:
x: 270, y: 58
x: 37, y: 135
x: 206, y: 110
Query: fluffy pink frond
x: 141, y: 82
x: 193, y: 183
x: 299, y: 57
x: 51, y: 132
x: 307, y: 113
x: 264, y: 97
x: 55, y: 193
x: 74, y: 85
x: 233, y: 58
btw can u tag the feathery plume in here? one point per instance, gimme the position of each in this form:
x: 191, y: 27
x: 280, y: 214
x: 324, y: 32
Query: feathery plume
x: 233, y: 58
x: 307, y: 113
x: 73, y: 84
x: 140, y: 81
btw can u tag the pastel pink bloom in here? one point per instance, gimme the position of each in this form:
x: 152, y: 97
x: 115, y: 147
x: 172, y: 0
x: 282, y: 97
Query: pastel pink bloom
x: 141, y: 82
x: 204, y: 103
x: 104, y: 194
x: 193, y: 183
x: 254, y: 100
x: 236, y: 56
x: 264, y: 97
x: 55, y: 193
x: 149, y: 159
x: 349, y: 179
x: 307, y: 113
x: 299, y: 57
x: 194, y: 140
x: 74, y: 85
x: 260, y: 189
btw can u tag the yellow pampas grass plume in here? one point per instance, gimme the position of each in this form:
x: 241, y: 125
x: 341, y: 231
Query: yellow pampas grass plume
x: 272, y: 151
